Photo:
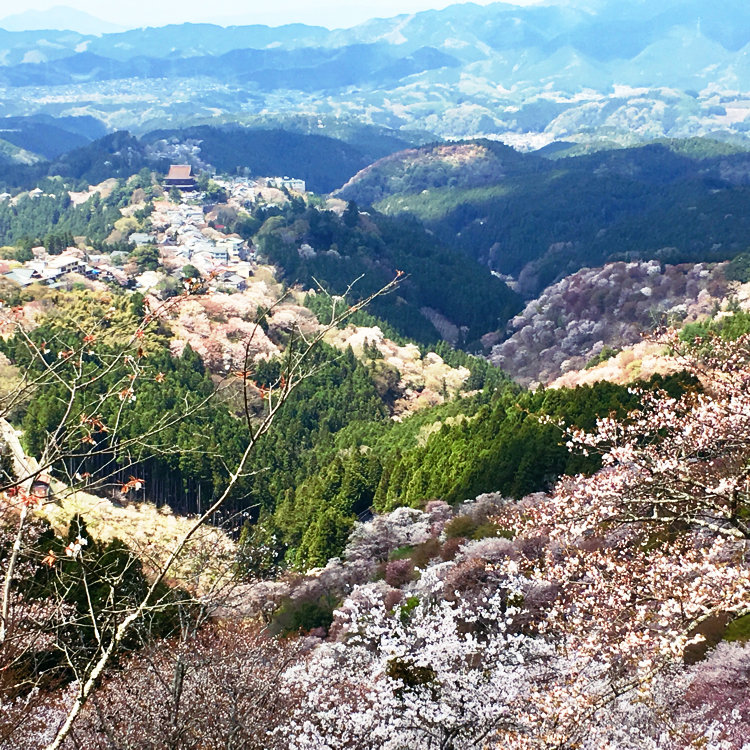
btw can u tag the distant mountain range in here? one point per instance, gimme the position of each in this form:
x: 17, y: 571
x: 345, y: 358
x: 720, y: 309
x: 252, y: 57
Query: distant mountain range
x: 60, y: 17
x: 529, y: 75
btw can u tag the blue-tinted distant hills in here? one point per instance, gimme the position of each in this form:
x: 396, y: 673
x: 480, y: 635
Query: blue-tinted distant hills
x: 624, y: 71
x: 60, y: 17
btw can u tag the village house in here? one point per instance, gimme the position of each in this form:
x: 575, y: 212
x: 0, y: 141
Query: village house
x: 233, y: 244
x: 64, y: 263
x: 51, y: 271
x: 290, y: 183
x: 140, y: 238
x: 24, y: 276
x: 226, y: 279
x: 219, y: 253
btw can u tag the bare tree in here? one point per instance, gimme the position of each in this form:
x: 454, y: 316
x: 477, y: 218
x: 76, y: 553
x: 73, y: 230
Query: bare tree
x: 80, y: 371
x: 222, y: 686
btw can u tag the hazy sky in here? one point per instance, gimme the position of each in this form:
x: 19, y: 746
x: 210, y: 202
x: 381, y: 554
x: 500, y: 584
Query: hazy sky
x: 331, y: 13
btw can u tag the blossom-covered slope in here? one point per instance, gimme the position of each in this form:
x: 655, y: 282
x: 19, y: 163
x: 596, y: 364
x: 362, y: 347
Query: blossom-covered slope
x: 573, y: 321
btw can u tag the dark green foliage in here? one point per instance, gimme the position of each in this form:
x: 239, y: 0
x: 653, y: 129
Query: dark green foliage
x: 504, y: 446
x: 324, y: 163
x: 728, y: 327
x: 303, y: 615
x: 115, y: 155
x: 182, y: 463
x: 212, y: 191
x: 56, y: 242
x: 401, y: 553
x: 466, y: 527
x: 606, y: 353
x: 351, y: 215
x: 494, y: 441
x: 316, y: 516
x: 189, y: 271
x: 551, y: 218
x: 738, y: 630
x: 408, y: 607
x: 52, y: 220
x: 23, y: 254
x: 324, y: 538
x: 7, y: 471
x: 339, y: 394
x: 738, y: 269
x: 146, y: 257
x: 377, y: 249
x: 460, y: 526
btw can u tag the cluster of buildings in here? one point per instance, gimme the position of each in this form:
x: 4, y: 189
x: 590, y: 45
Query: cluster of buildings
x: 184, y: 237
x: 181, y: 176
x: 181, y: 232
x: 57, y: 271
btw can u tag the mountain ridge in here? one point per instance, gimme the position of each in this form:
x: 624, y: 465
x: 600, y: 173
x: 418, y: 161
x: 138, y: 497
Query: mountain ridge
x: 536, y: 73
x: 60, y: 18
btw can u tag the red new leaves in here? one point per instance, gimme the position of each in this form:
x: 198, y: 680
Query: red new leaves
x: 132, y: 484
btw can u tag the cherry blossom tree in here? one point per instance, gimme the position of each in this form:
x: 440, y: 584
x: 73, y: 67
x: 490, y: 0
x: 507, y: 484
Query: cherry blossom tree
x: 428, y: 672
x: 653, y: 545
x: 221, y: 686
x: 678, y: 462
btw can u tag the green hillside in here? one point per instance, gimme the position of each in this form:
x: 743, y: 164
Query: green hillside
x: 310, y: 244
x: 540, y: 219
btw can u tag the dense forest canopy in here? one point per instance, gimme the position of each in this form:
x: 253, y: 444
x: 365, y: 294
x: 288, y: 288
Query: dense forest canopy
x: 541, y: 219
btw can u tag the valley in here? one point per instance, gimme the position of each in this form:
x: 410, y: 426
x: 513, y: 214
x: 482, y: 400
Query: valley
x: 528, y: 76
x: 379, y: 387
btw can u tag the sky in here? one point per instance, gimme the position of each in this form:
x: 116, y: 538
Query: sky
x: 330, y: 13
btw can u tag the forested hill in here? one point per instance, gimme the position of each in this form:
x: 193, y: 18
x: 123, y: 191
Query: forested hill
x: 311, y: 245
x: 539, y: 217
x: 324, y: 157
x: 334, y: 452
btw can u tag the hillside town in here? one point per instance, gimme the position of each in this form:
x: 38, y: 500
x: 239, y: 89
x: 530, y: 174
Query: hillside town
x: 183, y: 231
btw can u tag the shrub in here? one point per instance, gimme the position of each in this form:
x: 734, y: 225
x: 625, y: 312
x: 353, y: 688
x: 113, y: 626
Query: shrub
x: 461, y: 526
x: 402, y: 553
x: 425, y: 552
x: 399, y: 572
x: 303, y: 615
x: 738, y: 630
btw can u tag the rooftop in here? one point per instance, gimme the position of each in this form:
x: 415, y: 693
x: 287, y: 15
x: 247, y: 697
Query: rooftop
x: 180, y: 172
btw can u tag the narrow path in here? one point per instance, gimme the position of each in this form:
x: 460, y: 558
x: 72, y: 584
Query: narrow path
x: 24, y: 466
